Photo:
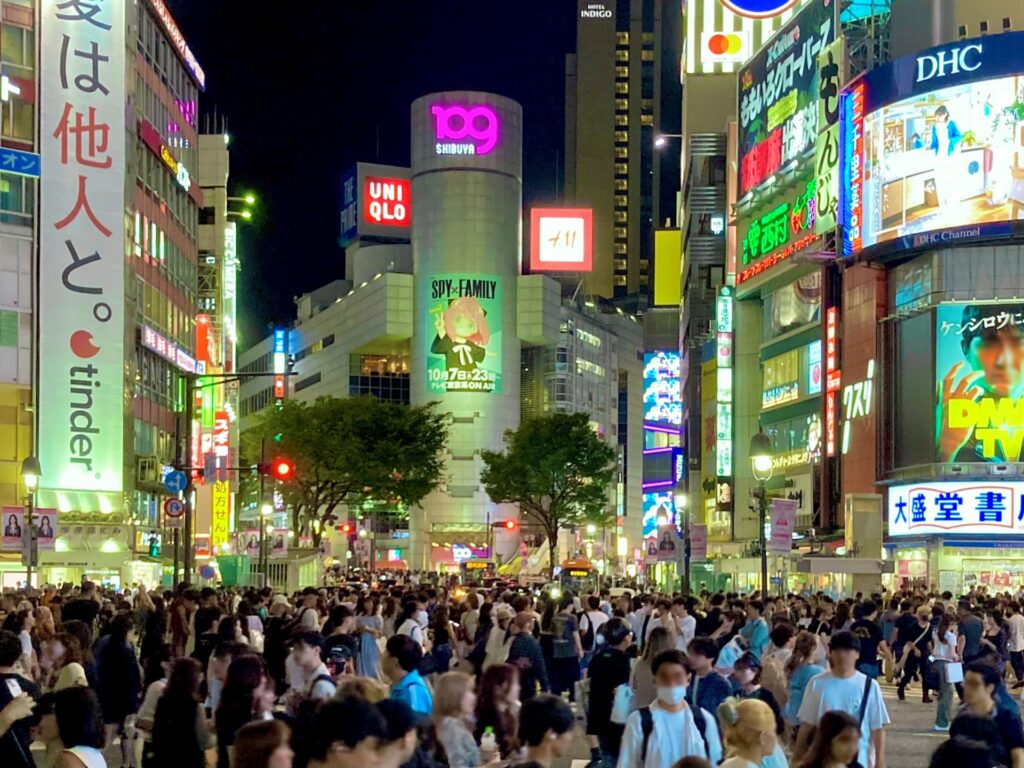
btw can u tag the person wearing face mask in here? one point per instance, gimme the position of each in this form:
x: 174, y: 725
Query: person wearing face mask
x: 409, y: 623
x: 670, y: 729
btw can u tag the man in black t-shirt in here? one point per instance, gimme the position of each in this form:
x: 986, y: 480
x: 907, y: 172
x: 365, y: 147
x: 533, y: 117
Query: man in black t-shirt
x: 871, y: 641
x: 84, y: 608
x: 15, y: 743
x: 906, y: 629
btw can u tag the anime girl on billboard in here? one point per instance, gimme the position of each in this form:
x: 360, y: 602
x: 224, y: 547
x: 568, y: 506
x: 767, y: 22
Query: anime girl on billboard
x: 462, y: 334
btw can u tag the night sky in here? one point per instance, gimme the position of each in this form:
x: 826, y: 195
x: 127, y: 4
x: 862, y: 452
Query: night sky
x: 309, y: 88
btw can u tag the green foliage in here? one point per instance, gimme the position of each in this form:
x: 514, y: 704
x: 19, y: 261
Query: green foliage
x: 556, y: 469
x: 350, y: 451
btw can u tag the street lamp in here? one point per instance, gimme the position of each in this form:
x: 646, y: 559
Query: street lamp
x: 761, y: 463
x: 662, y: 139
x: 30, y: 473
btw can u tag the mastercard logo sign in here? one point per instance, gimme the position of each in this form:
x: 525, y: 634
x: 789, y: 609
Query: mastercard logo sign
x: 725, y: 47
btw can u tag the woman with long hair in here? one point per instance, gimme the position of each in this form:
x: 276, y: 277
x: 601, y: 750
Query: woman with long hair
x: 22, y: 623
x: 65, y: 655
x: 747, y: 673
x: 836, y: 743
x: 566, y: 649
x: 263, y: 744
x: 748, y: 732
x: 45, y: 628
x: 83, y: 632
x: 371, y: 627
x: 80, y: 725
x: 994, y: 639
x: 800, y: 668
x: 179, y: 735
x: 944, y: 651
x: 388, y: 613
x: 454, y: 705
x: 248, y: 695
x: 497, y: 707
x: 641, y: 679
x: 442, y: 639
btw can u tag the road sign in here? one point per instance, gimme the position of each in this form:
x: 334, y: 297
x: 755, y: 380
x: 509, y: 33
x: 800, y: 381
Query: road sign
x: 175, y: 522
x: 174, y: 508
x: 176, y: 481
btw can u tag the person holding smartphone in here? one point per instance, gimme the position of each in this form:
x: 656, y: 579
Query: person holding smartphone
x: 17, y: 738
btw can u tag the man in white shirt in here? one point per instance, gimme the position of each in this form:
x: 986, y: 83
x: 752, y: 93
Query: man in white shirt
x: 1015, y: 643
x: 309, y: 617
x: 846, y: 689
x: 319, y: 682
x: 669, y: 730
x: 590, y: 627
x: 686, y: 625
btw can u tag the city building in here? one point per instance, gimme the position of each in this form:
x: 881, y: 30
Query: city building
x: 378, y: 331
x: 117, y: 274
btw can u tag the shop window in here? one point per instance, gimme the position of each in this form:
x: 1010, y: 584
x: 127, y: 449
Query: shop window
x: 621, y: 185
x: 780, y: 379
x: 622, y: 137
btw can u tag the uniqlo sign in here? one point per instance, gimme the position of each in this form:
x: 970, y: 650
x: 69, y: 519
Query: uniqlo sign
x: 81, y: 245
x: 561, y: 240
x: 386, y: 201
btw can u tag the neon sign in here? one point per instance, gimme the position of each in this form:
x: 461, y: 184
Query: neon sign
x: 758, y: 9
x: 834, y: 380
x: 178, y: 41
x: 723, y: 417
x: 464, y: 130
x: 386, y: 201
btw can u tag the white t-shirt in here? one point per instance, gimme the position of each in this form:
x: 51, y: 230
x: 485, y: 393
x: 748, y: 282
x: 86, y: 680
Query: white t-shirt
x: 826, y: 692
x: 1016, y: 640
x: 945, y: 649
x: 411, y: 628
x: 598, y: 619
x: 309, y: 620
x: 674, y: 737
x: 686, y: 628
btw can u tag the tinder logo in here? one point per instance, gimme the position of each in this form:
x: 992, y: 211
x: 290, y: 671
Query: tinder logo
x: 455, y: 123
x: 82, y: 345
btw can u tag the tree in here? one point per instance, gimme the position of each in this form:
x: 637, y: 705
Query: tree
x: 556, y: 469
x: 348, y: 451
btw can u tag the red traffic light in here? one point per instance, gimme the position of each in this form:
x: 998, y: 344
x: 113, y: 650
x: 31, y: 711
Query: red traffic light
x: 282, y: 469
x: 346, y: 527
x: 510, y: 525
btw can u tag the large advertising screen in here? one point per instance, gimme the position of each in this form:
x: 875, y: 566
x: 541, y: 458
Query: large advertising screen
x: 979, y: 357
x: 663, y: 397
x: 657, y: 504
x: 778, y: 95
x: 982, y: 507
x: 464, y: 328
x: 932, y: 146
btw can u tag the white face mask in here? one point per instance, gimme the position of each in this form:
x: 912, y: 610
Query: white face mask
x: 671, y: 694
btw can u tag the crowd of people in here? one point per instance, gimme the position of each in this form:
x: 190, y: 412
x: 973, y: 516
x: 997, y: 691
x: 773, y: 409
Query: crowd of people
x: 394, y: 674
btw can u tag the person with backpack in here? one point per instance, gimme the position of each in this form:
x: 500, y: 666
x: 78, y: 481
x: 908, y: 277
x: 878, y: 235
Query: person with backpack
x: 608, y: 672
x: 566, y: 649
x: 591, y: 622
x: 525, y: 654
x: 843, y: 688
x: 670, y: 729
x: 319, y: 683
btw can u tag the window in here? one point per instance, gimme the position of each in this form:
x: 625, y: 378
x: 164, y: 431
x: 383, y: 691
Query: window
x: 621, y: 217
x: 622, y: 88
x: 619, y: 280
x: 621, y: 249
x: 307, y: 382
x: 17, y: 200
x: 621, y: 169
x: 621, y: 265
x: 622, y: 54
x: 620, y: 233
x: 622, y: 120
x: 622, y: 105
x: 646, y: 55
x: 646, y: 119
x: 622, y: 137
x: 621, y: 185
x: 622, y: 38
x: 8, y: 328
x: 207, y: 215
x: 622, y: 153
x: 622, y: 72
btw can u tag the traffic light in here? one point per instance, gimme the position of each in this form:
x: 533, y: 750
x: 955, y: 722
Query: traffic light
x: 510, y: 525
x: 283, y: 469
x: 346, y: 528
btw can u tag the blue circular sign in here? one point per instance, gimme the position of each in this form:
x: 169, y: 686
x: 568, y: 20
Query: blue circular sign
x: 758, y: 9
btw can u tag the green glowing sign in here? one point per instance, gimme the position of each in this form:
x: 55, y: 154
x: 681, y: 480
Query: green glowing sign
x: 774, y: 228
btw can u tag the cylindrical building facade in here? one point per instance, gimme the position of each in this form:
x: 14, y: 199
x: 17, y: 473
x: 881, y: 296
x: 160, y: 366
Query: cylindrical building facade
x: 467, y: 251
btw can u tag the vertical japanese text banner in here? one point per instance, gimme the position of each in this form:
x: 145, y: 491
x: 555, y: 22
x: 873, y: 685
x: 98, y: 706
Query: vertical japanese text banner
x: 783, y: 525
x: 81, y: 244
x: 831, y: 73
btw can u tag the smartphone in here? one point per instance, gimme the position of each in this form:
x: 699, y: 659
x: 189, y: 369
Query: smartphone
x: 13, y: 687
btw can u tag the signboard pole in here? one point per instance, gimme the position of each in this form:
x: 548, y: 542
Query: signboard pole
x: 190, y: 397
x: 174, y: 577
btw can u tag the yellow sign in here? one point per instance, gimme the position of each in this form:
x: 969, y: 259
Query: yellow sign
x: 220, y: 523
x: 667, y: 267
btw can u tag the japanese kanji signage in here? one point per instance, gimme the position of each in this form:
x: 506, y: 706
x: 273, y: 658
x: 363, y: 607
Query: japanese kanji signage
x: 779, y: 93
x: 979, y: 372
x: 780, y: 227
x: 561, y: 240
x: 220, y: 519
x: 831, y: 70
x: 968, y: 507
x: 81, y: 250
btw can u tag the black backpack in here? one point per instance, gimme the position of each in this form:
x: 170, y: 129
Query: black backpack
x: 647, y: 728
x: 588, y: 636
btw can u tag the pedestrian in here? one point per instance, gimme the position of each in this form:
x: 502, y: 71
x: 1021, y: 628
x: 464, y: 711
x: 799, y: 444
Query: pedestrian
x: 591, y: 621
x: 248, y: 695
x: 454, y: 707
x: 842, y: 687
x: 442, y: 641
x: 498, y: 637
x: 566, y: 649
x: 609, y: 669
x: 747, y: 674
x: 400, y: 664
x: 836, y: 743
x: 179, y: 736
x: 970, y: 628
x: 944, y: 654
x: 983, y: 717
x: 546, y: 730
x: 915, y: 656
x: 16, y: 743
x: 756, y: 631
x: 80, y: 725
x: 961, y: 752
x: 318, y: 681
x: 525, y: 654
x: 994, y: 640
x: 371, y: 628
x: 685, y: 622
x: 872, y: 641
x: 497, y: 705
x: 709, y: 689
x: 399, y: 746
x: 670, y: 729
x: 346, y: 733
x: 748, y: 732
x: 263, y: 744
x: 119, y: 685
x: 641, y: 678
x: 1015, y: 642
x: 15, y: 721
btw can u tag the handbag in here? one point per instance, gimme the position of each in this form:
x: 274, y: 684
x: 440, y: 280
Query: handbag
x: 953, y: 672
x: 622, y: 704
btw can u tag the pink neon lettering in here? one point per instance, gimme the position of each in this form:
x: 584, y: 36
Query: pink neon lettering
x: 456, y: 122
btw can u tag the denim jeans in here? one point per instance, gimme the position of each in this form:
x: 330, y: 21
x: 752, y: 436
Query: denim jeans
x: 945, y: 697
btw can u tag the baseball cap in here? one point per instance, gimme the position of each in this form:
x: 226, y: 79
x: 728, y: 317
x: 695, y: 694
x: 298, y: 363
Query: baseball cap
x: 312, y: 639
x: 844, y: 641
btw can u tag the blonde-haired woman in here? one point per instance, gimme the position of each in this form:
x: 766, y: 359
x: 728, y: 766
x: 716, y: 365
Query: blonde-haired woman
x: 748, y: 730
x: 454, y: 706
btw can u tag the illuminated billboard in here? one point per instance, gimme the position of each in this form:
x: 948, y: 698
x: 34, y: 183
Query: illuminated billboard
x: 464, y: 129
x: 376, y: 204
x: 561, y: 240
x: 778, y: 95
x: 982, y: 507
x: 663, y: 397
x: 657, y: 504
x: 777, y: 229
x: 979, y: 357
x: 464, y: 333
x: 386, y: 201
x: 931, y: 150
x: 758, y: 9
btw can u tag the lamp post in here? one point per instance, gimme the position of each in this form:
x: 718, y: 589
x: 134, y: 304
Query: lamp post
x: 662, y: 139
x: 682, y: 506
x: 266, y: 510
x: 30, y: 472
x: 761, y: 463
